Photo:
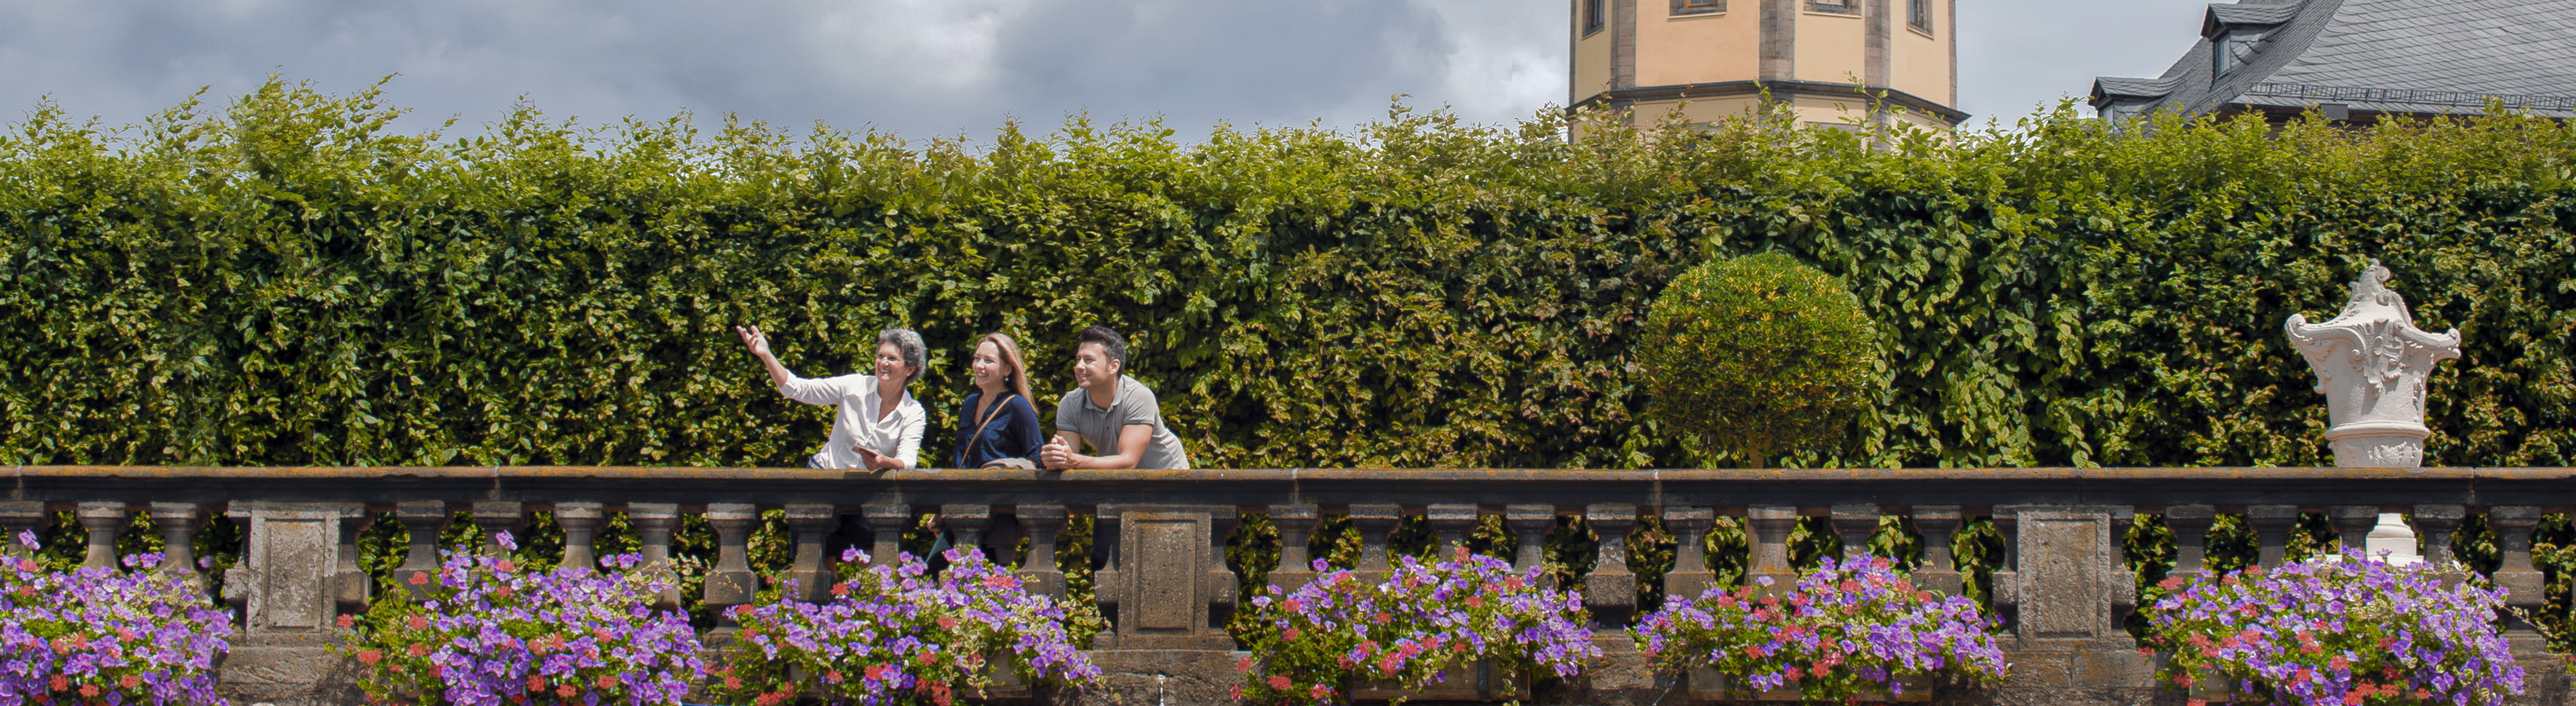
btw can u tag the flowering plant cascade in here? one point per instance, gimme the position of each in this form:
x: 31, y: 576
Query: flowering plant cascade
x: 1843, y: 631
x: 1410, y: 627
x: 2337, y: 631
x: 490, y: 632
x: 99, y: 635
x: 893, y: 635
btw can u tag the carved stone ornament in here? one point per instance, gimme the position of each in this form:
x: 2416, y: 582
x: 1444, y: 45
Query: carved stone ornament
x: 2371, y: 364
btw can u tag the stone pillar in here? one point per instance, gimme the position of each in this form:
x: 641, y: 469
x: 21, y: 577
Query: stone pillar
x: 2352, y: 524
x: 2071, y: 581
x: 1940, y: 527
x: 350, y: 586
x: 2439, y: 522
x: 810, y: 568
x: 2371, y: 364
x: 280, y: 653
x: 2190, y: 525
x: 1690, y: 576
x: 1452, y: 523
x: 2272, y: 525
x: 1223, y: 586
x: 654, y: 523
x: 494, y: 517
x: 580, y: 523
x: 1853, y: 524
x: 1164, y: 589
x: 730, y: 582
x: 178, y: 523
x: 2512, y: 525
x: 19, y: 517
x: 1375, y: 524
x: 102, y: 520
x: 422, y: 520
x: 1767, y: 527
x: 1041, y: 573
x: 1296, y: 525
x: 967, y: 523
x: 886, y: 524
x: 1611, y: 591
x: 1529, y: 525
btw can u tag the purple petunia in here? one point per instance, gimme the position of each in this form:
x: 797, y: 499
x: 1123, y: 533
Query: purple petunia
x: 99, y: 635
x: 1422, y: 619
x: 2337, y: 631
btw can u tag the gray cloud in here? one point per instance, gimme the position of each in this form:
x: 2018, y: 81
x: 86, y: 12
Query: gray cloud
x: 927, y: 68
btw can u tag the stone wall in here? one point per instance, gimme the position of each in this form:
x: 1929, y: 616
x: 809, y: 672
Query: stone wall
x: 1162, y: 537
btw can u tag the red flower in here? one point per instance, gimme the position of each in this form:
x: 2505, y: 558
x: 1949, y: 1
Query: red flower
x: 347, y: 620
x: 417, y: 622
x: 420, y: 578
x: 61, y: 683
x: 565, y: 690
x: 1279, y: 682
x: 130, y: 681
x: 371, y: 656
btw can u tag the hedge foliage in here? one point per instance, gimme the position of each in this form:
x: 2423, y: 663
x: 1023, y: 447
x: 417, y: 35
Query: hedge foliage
x: 289, y: 280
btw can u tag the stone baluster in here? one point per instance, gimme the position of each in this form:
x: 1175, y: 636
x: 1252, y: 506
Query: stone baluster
x: 1108, y: 577
x: 2272, y: 525
x: 1529, y: 525
x: 2123, y: 581
x: 2190, y: 526
x: 19, y: 517
x: 2512, y: 525
x: 350, y: 585
x: 811, y: 567
x: 1375, y: 523
x: 1224, y: 588
x: 1002, y: 540
x: 239, y: 578
x: 1854, y: 523
x: 1044, y: 523
x: 730, y: 582
x: 2439, y: 523
x: 580, y: 522
x: 422, y: 522
x: 2352, y: 524
x: 178, y: 523
x: 1690, y: 575
x: 1452, y: 522
x: 2004, y: 587
x: 885, y: 527
x: 654, y: 523
x: 1611, y: 591
x: 1940, y: 568
x: 967, y: 523
x: 1296, y: 525
x: 102, y: 520
x: 493, y: 517
x: 1768, y: 527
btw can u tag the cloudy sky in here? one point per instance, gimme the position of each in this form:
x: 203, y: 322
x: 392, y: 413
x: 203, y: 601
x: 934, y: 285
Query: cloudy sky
x: 925, y: 68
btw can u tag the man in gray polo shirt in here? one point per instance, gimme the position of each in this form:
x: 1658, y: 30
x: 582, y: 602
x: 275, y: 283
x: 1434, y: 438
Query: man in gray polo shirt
x: 1112, y: 413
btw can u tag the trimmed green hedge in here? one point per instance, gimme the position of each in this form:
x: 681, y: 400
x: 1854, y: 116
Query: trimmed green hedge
x: 289, y: 281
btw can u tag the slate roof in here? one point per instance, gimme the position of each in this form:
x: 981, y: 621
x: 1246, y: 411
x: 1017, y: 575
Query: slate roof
x: 2390, y: 56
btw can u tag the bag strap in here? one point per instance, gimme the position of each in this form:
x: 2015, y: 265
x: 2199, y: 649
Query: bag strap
x: 991, y: 414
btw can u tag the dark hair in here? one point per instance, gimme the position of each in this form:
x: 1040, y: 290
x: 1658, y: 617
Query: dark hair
x: 1109, y: 341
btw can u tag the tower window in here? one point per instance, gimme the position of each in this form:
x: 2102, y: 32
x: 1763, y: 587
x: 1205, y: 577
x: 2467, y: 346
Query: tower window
x: 1698, y: 7
x: 1918, y: 14
x: 1592, y: 15
x: 1838, y: 7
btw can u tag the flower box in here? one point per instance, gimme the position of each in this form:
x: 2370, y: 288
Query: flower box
x: 1707, y: 684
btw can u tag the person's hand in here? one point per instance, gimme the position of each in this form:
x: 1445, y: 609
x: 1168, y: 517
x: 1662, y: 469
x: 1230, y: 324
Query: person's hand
x: 1058, y: 454
x: 875, y: 460
x: 752, y: 339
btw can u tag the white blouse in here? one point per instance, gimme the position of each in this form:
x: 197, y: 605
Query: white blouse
x: 897, y: 435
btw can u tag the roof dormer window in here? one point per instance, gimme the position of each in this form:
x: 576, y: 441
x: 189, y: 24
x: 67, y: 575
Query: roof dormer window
x: 2232, y: 48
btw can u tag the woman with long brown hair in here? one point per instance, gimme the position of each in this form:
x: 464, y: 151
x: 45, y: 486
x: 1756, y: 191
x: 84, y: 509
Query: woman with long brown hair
x: 997, y: 425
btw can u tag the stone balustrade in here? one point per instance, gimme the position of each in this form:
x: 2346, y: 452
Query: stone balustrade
x: 1161, y: 537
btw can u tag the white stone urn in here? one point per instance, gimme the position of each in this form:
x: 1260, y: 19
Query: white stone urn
x: 2371, y: 363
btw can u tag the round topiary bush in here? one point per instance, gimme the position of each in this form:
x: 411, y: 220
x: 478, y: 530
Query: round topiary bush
x: 1757, y: 355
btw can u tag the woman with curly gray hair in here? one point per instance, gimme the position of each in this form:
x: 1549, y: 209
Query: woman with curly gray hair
x: 869, y: 432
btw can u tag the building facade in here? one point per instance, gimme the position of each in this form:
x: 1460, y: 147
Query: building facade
x: 1715, y: 59
x: 2363, y: 60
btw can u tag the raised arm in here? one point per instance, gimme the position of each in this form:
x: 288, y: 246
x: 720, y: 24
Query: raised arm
x: 759, y: 345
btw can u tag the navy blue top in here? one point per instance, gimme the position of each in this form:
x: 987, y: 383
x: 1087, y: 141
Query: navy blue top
x: 1012, y: 432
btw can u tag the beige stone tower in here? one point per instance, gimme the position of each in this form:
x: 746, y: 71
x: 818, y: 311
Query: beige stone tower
x: 1719, y: 56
